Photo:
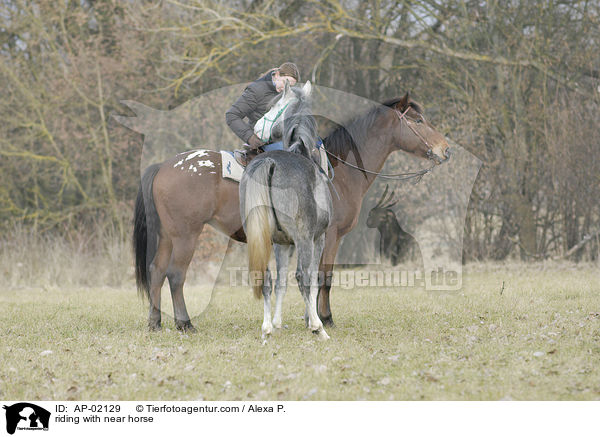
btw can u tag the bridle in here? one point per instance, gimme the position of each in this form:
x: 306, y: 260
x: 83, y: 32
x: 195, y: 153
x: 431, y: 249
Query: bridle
x: 417, y: 175
x: 273, y: 121
x: 417, y: 134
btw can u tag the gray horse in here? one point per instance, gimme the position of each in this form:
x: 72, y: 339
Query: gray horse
x: 285, y: 201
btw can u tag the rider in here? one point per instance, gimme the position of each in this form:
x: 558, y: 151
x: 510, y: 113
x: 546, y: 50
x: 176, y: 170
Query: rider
x: 254, y: 103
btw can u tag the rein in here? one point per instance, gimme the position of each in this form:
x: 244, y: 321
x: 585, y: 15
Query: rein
x: 416, y: 175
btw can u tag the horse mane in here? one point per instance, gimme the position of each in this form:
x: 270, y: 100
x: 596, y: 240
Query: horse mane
x: 351, y: 136
x: 300, y: 129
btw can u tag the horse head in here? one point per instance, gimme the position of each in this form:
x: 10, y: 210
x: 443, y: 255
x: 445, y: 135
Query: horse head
x: 269, y: 127
x: 299, y: 126
x: 413, y: 133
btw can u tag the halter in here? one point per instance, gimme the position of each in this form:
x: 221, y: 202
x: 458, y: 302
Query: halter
x: 417, y: 175
x: 262, y: 133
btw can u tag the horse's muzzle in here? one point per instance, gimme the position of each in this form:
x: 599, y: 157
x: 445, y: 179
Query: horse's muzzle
x: 434, y: 157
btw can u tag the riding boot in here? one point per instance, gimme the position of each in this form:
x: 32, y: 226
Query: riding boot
x: 244, y: 156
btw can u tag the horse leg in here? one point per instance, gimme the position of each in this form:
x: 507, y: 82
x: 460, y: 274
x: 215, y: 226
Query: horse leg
x: 307, y: 275
x: 183, y: 251
x: 283, y: 254
x: 158, y: 271
x: 302, y: 286
x: 332, y: 243
x: 314, y: 286
x: 267, y: 326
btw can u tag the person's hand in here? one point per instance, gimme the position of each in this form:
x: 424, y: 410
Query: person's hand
x: 255, y: 142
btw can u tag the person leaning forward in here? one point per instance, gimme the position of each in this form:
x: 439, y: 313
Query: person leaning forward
x: 254, y: 103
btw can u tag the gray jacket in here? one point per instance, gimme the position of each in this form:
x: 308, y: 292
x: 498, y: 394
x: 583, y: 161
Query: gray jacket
x: 253, y: 104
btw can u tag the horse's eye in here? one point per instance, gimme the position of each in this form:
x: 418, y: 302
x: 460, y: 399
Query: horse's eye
x: 419, y: 120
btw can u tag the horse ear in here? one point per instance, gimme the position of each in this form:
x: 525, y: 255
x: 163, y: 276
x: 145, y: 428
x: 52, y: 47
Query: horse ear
x: 307, y: 88
x: 286, y: 88
x: 403, y: 103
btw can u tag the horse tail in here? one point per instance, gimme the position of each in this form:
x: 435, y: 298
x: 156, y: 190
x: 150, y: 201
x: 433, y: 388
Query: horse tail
x: 145, y: 231
x: 260, y: 221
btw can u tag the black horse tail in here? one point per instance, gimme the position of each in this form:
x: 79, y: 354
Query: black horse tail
x: 145, y: 231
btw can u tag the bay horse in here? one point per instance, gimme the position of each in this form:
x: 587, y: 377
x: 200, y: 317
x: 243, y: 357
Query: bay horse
x: 274, y: 213
x: 174, y: 204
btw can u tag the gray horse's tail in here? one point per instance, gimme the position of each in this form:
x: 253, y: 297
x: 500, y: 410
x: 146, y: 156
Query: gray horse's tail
x: 260, y: 221
x: 145, y: 230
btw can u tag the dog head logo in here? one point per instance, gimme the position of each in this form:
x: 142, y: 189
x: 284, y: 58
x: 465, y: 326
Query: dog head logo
x: 25, y: 416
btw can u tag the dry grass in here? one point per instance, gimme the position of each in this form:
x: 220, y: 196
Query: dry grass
x: 83, y: 259
x: 539, y: 339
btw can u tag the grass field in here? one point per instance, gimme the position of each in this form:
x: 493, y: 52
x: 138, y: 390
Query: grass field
x: 538, y: 339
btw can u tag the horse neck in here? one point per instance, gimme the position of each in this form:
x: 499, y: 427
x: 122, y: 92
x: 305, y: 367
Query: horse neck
x: 373, y: 160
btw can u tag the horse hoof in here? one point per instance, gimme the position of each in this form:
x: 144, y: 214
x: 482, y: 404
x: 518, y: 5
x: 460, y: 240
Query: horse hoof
x: 186, y: 327
x: 265, y: 337
x: 321, y: 334
x: 154, y: 327
x: 328, y: 321
x: 266, y: 329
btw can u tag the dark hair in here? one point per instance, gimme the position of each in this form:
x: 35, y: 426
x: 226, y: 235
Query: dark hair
x: 286, y: 69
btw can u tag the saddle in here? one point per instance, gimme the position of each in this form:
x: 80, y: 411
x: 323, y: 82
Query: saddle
x: 234, y: 163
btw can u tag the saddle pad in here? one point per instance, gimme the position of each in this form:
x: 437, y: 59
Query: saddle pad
x: 230, y: 167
